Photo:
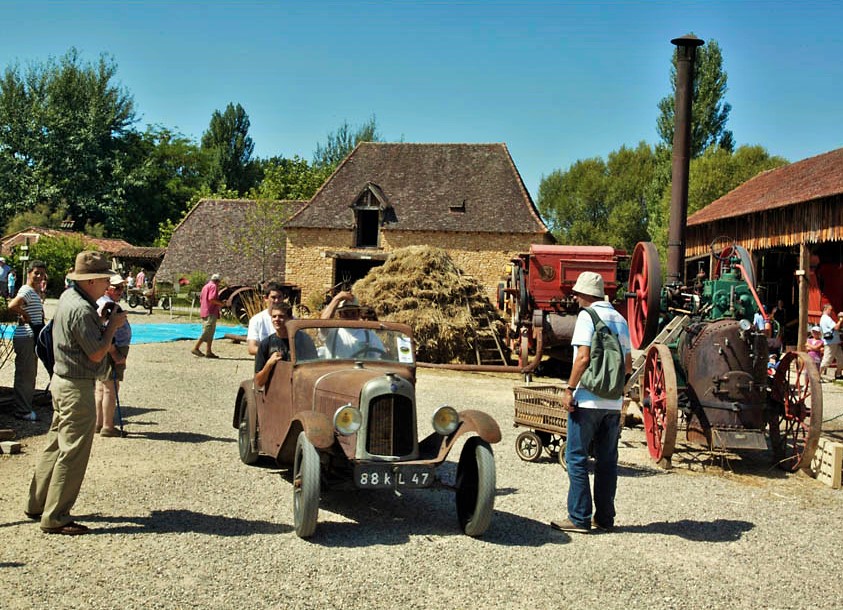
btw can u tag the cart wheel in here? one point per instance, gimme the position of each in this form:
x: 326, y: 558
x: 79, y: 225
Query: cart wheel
x: 658, y: 401
x: 797, y: 412
x: 475, y: 486
x: 560, y: 455
x: 645, y: 281
x: 133, y: 300
x: 305, y: 487
x: 165, y: 303
x: 528, y: 446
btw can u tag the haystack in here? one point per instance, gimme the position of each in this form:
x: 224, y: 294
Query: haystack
x: 422, y: 287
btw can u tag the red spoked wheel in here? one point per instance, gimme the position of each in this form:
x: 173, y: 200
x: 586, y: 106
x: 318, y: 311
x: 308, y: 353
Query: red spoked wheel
x: 645, y: 283
x: 797, y: 412
x: 659, y: 399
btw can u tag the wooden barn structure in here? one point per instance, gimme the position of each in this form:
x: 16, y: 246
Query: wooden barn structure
x: 791, y: 220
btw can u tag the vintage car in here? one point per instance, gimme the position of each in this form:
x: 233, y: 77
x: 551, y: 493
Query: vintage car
x: 342, y: 412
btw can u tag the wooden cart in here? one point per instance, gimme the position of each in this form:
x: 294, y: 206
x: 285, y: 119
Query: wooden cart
x: 539, y: 408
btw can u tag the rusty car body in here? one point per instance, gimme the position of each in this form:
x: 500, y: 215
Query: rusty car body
x: 349, y: 421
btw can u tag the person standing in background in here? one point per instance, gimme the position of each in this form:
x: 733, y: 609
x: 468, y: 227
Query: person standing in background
x: 30, y: 311
x: 831, y: 340
x: 11, y: 283
x: 108, y: 384
x: 209, y: 310
x: 140, y: 280
x: 4, y: 274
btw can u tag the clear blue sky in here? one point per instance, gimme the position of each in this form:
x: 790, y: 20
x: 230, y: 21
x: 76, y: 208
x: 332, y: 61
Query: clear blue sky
x: 555, y: 81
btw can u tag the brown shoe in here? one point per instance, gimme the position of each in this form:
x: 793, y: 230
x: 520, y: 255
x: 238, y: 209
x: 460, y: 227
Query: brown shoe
x: 197, y: 353
x: 211, y: 355
x: 110, y: 433
x: 33, y: 516
x: 68, y: 529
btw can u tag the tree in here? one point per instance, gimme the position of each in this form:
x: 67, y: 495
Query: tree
x: 600, y: 202
x: 709, y: 110
x: 60, y: 255
x: 161, y: 176
x: 228, y: 149
x: 285, y: 179
x: 63, y: 128
x: 262, y: 235
x: 342, y: 141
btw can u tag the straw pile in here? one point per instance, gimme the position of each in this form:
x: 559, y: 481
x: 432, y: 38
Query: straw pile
x: 422, y: 287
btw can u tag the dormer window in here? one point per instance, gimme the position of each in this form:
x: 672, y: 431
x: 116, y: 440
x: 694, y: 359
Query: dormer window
x: 371, y: 211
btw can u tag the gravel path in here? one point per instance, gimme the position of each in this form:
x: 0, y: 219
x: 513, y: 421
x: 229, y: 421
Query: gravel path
x: 180, y: 522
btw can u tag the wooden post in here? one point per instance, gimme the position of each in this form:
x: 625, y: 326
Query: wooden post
x: 802, y: 273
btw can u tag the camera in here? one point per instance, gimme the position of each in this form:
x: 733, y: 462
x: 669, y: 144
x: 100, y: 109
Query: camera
x: 108, y: 308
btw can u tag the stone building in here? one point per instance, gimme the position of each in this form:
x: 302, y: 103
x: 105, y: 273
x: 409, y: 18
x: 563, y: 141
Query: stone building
x: 468, y: 199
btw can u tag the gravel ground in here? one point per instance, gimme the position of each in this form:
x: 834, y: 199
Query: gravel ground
x: 180, y: 522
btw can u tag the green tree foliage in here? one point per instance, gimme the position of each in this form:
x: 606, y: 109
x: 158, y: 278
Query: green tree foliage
x: 40, y: 216
x: 162, y: 176
x: 60, y: 255
x: 600, y: 202
x: 709, y: 110
x: 63, y: 133
x: 342, y: 141
x: 287, y: 179
x: 228, y: 149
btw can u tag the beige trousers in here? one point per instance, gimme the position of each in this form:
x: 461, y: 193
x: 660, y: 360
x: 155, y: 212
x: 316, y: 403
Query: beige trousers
x: 61, y: 467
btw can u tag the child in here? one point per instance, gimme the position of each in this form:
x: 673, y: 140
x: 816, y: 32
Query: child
x: 814, y: 345
x: 772, y: 365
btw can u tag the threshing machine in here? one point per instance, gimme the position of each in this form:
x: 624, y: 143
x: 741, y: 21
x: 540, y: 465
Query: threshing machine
x: 537, y: 297
x: 703, y: 369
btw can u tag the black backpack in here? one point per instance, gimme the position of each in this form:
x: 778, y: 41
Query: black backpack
x: 44, y: 347
x: 606, y: 370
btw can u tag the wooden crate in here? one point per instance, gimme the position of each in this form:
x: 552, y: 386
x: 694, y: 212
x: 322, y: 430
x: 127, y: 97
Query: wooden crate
x: 538, y: 406
x: 827, y: 464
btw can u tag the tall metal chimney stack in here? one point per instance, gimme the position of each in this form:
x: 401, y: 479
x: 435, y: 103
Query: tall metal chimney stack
x: 686, y: 50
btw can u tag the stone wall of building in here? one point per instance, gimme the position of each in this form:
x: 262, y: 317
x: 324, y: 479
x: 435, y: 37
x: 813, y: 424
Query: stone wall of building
x: 480, y: 255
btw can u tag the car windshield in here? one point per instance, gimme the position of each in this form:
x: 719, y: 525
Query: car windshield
x: 351, y: 343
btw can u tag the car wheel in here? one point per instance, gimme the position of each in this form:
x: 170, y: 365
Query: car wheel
x: 305, y: 487
x: 244, y: 439
x: 475, y: 486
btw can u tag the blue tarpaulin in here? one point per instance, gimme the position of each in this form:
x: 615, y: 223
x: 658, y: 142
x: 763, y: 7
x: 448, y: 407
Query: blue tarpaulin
x: 160, y: 333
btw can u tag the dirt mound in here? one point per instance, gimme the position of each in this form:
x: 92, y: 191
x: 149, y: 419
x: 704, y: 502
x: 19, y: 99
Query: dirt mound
x: 422, y: 287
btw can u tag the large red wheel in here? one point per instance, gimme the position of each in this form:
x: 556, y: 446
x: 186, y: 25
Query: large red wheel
x: 659, y: 400
x: 797, y: 411
x: 645, y: 284
x: 729, y: 251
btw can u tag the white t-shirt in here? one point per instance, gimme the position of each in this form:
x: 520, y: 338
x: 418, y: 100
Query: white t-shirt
x: 827, y: 325
x: 583, y: 330
x: 260, y: 326
x: 34, y: 308
x: 351, y: 342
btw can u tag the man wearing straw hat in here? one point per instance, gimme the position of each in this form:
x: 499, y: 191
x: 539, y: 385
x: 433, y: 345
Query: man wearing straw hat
x: 80, y: 346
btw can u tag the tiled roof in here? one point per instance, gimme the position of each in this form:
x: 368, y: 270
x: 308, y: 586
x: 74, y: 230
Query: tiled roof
x: 813, y: 178
x: 206, y: 239
x: 143, y: 252
x: 430, y: 187
x: 107, y: 245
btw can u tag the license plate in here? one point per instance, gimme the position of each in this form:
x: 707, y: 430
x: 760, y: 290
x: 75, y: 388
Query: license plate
x: 390, y: 476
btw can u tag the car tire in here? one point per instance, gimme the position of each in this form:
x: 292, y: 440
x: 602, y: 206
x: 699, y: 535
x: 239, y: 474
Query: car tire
x: 475, y: 486
x: 305, y: 487
x: 244, y: 439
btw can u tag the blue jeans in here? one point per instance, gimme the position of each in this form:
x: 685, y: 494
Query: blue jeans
x: 600, y: 427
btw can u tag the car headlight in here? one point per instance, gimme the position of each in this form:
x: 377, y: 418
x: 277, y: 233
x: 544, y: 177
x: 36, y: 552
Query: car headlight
x: 445, y: 420
x: 347, y: 420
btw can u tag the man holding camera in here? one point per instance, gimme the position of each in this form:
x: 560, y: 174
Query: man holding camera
x: 108, y: 383
x: 80, y: 346
x: 831, y: 339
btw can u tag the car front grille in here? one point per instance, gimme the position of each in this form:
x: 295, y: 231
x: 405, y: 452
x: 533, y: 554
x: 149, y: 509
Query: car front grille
x: 391, y: 430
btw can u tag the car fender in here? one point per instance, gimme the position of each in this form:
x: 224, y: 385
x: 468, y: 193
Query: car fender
x: 245, y: 388
x: 436, y: 447
x: 318, y: 427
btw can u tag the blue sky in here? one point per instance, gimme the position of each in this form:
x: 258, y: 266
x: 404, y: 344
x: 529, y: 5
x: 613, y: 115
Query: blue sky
x: 555, y: 81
